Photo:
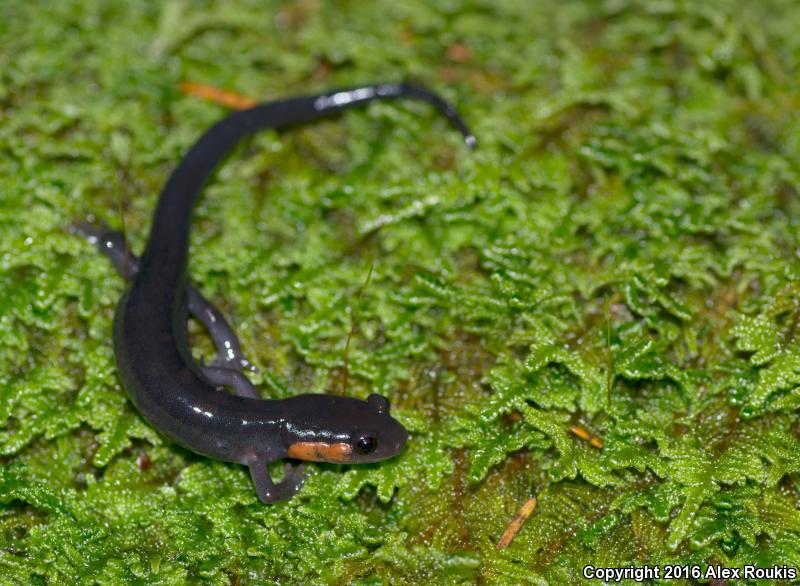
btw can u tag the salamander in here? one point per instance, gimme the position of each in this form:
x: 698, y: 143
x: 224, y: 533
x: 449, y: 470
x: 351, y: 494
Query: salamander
x: 180, y: 397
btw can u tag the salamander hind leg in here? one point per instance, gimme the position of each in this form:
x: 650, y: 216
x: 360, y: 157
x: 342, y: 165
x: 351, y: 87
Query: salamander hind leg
x: 225, y: 339
x: 234, y: 379
x: 111, y: 243
x: 270, y: 492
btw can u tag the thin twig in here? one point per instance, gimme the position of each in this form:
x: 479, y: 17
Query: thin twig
x: 596, y: 441
x: 121, y: 212
x: 353, y: 326
x: 517, y: 522
x: 218, y: 96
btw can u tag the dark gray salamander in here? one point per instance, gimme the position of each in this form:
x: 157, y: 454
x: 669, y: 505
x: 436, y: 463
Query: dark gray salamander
x: 178, y: 396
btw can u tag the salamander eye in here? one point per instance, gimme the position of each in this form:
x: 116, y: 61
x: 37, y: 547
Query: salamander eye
x: 366, y: 444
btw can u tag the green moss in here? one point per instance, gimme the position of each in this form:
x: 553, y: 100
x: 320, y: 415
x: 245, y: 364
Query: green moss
x: 620, y: 254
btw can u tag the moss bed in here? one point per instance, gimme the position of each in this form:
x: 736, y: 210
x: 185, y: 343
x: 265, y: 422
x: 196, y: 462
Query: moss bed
x: 619, y: 257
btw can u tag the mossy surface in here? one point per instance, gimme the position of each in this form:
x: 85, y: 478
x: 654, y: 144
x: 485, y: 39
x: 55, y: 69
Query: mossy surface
x: 620, y: 254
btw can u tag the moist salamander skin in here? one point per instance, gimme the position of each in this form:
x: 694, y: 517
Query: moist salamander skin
x: 174, y: 393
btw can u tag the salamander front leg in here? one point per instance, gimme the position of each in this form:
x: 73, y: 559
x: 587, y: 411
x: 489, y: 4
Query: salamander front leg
x: 270, y: 492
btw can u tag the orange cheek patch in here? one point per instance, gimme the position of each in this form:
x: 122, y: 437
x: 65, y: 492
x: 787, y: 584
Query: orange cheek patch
x: 320, y: 452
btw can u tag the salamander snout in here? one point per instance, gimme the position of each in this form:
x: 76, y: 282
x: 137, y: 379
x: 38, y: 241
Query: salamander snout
x: 385, y: 438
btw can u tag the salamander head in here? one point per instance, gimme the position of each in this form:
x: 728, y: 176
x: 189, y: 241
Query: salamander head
x: 323, y: 428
